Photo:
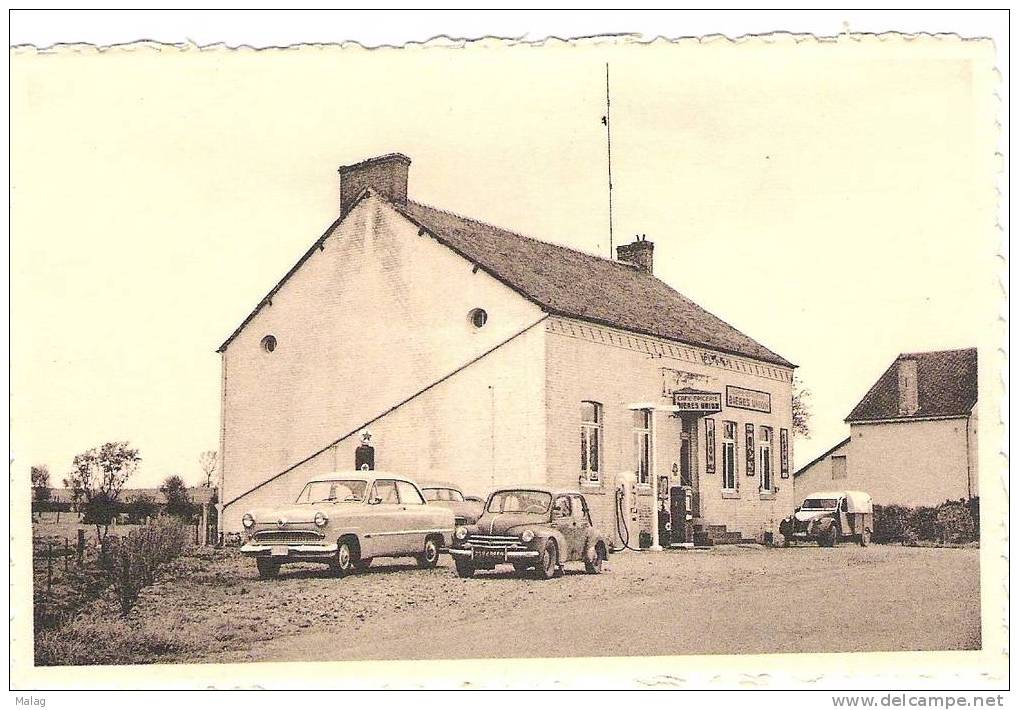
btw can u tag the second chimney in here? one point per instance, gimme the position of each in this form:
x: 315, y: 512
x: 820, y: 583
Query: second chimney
x: 640, y: 253
x: 386, y: 174
x: 909, y: 401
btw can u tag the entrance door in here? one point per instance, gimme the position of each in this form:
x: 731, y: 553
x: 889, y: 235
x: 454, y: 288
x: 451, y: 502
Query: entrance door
x: 688, y: 461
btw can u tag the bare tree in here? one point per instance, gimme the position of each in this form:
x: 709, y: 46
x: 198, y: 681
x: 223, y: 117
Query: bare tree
x: 97, y: 478
x: 208, y: 460
x: 801, y: 408
x: 40, y: 483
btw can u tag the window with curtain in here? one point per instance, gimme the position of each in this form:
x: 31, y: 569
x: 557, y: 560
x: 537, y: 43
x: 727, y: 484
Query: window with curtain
x: 642, y: 444
x: 590, y: 442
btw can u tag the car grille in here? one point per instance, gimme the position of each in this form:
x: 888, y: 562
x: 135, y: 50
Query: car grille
x: 496, y: 542
x: 288, y: 536
x: 801, y: 525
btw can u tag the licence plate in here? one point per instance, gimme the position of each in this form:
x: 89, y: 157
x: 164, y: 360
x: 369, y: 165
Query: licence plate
x: 279, y: 551
x: 489, y: 555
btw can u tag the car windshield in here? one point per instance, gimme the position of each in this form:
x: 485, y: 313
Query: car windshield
x: 820, y: 504
x: 340, y: 491
x: 446, y: 494
x: 520, y: 502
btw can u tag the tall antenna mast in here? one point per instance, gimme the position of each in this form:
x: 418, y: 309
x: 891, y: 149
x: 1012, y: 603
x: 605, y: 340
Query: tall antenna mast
x: 607, y: 120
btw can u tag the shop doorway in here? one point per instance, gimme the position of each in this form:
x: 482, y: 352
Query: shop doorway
x: 688, y: 473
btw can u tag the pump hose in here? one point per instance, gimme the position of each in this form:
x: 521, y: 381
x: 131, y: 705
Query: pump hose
x: 621, y: 529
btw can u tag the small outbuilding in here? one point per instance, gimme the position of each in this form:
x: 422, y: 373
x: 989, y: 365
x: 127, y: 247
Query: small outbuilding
x: 912, y: 438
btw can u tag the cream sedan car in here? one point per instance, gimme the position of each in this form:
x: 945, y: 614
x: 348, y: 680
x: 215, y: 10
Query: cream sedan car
x: 345, y: 520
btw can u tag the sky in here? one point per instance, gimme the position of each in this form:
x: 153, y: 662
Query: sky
x: 833, y: 200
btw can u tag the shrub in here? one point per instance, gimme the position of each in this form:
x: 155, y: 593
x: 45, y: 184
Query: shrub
x: 136, y: 557
x: 955, y: 523
x: 890, y: 521
x: 141, y: 507
x: 923, y: 521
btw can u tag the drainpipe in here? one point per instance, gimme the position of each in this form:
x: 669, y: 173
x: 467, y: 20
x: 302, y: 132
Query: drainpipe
x: 969, y: 466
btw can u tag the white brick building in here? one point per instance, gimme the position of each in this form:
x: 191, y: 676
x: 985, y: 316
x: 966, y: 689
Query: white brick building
x: 477, y: 355
x: 912, y: 438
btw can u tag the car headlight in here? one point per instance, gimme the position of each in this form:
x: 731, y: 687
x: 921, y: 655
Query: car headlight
x: 461, y: 533
x: 248, y: 520
x: 321, y: 519
x: 527, y: 536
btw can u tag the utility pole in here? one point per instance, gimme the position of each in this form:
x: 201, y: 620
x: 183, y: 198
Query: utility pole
x: 607, y: 121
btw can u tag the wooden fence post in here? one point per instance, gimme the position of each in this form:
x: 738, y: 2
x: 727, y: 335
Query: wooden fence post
x: 81, y: 545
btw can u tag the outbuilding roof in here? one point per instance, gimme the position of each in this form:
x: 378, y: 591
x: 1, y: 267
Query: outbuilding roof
x: 946, y: 387
x: 575, y: 284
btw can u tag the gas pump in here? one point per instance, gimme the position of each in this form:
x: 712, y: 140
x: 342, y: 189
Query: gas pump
x: 666, y: 527
x: 681, y: 509
x: 626, y: 508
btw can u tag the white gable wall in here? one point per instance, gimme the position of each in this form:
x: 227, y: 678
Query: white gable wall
x: 818, y: 475
x: 378, y: 314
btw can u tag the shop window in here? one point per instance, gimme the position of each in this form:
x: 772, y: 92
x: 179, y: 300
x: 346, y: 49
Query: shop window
x: 838, y: 467
x: 590, y: 442
x: 764, y: 450
x: 729, y: 477
x: 642, y: 444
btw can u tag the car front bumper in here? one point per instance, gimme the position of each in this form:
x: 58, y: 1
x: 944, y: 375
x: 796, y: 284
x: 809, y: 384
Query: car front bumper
x: 489, y: 555
x: 290, y: 553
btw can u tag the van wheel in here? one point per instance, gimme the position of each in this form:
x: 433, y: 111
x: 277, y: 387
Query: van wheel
x: 865, y: 538
x: 464, y: 568
x: 594, y: 566
x: 430, y: 557
x: 344, y: 561
x: 830, y: 537
x: 548, y: 563
x: 267, y: 569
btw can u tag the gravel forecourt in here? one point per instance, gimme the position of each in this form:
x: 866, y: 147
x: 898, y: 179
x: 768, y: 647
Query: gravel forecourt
x: 732, y: 599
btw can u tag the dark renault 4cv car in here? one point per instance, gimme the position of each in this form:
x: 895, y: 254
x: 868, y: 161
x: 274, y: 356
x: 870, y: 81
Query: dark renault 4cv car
x: 532, y: 528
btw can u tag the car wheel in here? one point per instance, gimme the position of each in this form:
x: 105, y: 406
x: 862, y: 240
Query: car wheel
x: 594, y: 566
x: 548, y: 563
x: 430, y: 557
x: 865, y: 538
x: 464, y: 568
x: 267, y: 569
x: 343, y: 563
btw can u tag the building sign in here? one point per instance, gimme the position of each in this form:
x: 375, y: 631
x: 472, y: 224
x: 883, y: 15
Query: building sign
x: 689, y: 400
x: 742, y: 398
x: 709, y: 445
x: 783, y: 444
x: 675, y: 380
x: 751, y: 457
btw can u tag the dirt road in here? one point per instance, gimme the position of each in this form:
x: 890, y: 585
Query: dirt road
x: 726, y: 600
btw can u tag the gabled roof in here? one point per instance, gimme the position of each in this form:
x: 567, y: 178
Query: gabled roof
x: 946, y: 387
x: 572, y: 283
x: 826, y: 454
x: 568, y: 282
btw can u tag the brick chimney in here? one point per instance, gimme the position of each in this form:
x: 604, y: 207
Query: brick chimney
x: 386, y: 174
x: 640, y: 253
x: 908, y: 398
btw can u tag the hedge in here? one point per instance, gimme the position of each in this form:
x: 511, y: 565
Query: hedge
x: 951, y: 522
